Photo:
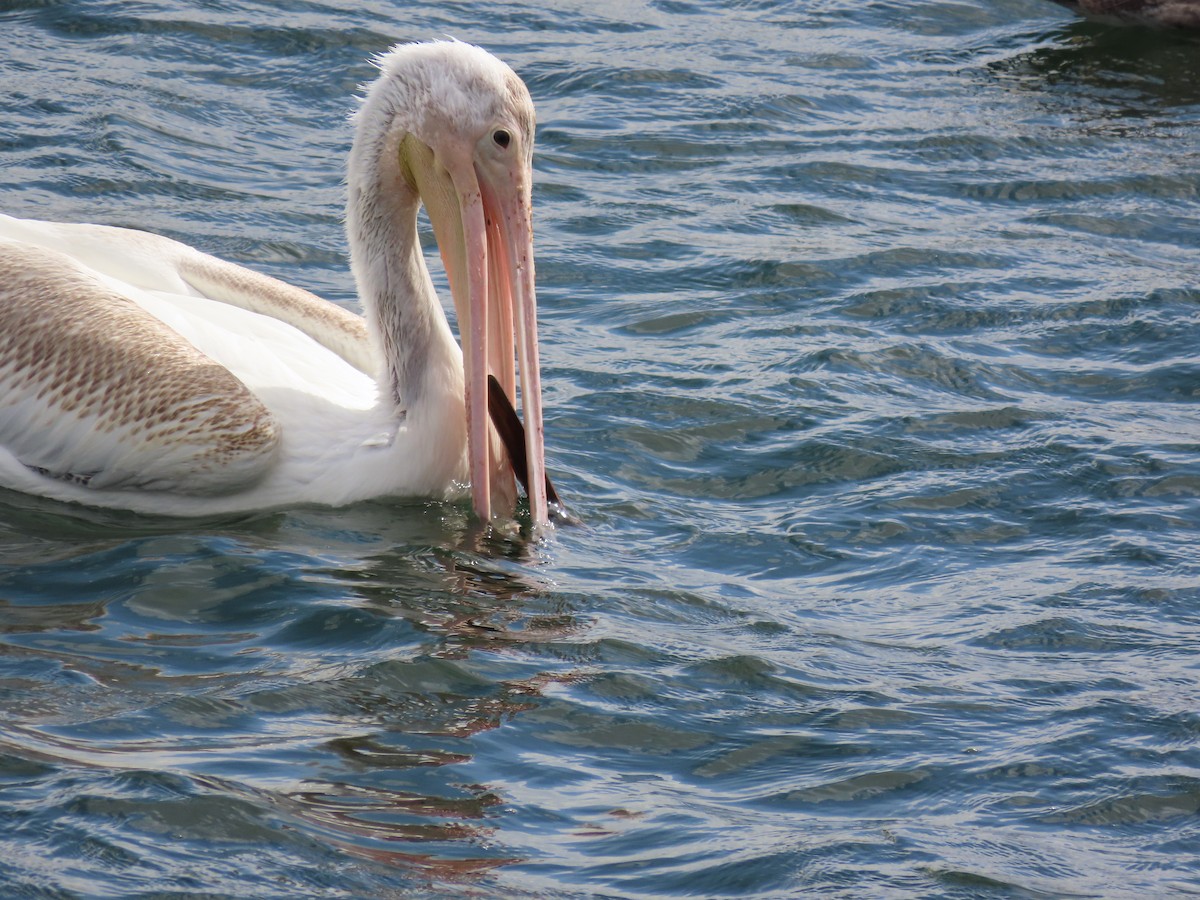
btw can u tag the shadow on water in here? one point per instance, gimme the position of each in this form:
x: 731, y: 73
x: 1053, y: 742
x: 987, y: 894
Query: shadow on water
x: 1129, y: 72
x: 315, y: 672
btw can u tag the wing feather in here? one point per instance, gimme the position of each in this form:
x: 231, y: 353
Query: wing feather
x: 95, y: 390
x: 326, y: 323
x: 156, y: 263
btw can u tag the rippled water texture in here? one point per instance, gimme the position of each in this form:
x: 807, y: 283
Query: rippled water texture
x: 870, y: 344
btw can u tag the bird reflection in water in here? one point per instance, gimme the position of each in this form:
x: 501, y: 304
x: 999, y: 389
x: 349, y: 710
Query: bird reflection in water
x: 320, y: 672
x: 425, y: 711
x: 364, y: 819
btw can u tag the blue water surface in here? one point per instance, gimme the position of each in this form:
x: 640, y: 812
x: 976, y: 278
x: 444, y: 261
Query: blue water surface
x: 870, y: 351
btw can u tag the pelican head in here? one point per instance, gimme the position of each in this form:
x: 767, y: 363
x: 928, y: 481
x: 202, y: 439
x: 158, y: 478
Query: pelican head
x: 449, y: 126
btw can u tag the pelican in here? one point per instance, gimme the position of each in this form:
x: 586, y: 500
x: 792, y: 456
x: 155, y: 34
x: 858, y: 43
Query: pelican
x: 139, y: 373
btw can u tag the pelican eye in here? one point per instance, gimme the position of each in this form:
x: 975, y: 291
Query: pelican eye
x: 501, y: 137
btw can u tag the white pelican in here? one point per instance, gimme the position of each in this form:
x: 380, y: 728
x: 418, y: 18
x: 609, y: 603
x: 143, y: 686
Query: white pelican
x: 139, y: 373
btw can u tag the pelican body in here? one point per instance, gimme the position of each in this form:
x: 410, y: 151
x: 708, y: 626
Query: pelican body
x: 139, y: 373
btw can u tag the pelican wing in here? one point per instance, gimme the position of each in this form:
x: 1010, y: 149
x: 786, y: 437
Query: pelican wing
x: 337, y: 329
x: 155, y: 263
x: 97, y: 391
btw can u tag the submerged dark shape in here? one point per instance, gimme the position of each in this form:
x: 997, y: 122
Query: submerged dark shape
x: 1163, y: 13
x: 512, y: 435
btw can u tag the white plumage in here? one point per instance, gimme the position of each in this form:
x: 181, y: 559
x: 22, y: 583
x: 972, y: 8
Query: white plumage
x: 139, y: 373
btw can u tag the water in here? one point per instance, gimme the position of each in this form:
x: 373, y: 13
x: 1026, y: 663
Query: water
x: 870, y: 351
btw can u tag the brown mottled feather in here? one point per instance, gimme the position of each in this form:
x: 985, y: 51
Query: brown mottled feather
x: 93, y: 389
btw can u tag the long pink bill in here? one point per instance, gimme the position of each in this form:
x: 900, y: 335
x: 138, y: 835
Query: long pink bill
x: 512, y: 261
x: 502, y: 307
